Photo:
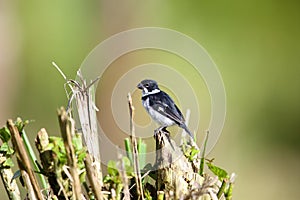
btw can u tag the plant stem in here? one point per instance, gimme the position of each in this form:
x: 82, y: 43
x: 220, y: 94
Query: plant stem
x: 33, y: 158
x: 138, y: 178
x: 203, y: 155
x: 222, y: 189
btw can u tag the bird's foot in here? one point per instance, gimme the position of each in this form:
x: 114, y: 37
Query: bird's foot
x: 161, y: 129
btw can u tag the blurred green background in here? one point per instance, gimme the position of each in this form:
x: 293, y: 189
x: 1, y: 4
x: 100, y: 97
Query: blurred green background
x: 256, y: 45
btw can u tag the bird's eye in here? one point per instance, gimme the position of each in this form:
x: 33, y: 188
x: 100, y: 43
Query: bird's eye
x: 146, y: 85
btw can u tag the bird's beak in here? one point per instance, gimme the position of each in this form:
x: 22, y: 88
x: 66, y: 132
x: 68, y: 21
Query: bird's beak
x: 140, y: 86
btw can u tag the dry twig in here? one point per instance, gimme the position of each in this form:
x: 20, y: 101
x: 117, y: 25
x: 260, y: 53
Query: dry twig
x: 91, y: 174
x: 23, y: 160
x: 67, y: 130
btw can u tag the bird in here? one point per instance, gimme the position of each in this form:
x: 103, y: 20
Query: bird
x: 161, y: 107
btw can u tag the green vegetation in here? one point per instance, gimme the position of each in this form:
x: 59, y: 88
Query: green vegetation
x: 168, y: 179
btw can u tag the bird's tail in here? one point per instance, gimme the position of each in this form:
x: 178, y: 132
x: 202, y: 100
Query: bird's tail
x: 187, y: 130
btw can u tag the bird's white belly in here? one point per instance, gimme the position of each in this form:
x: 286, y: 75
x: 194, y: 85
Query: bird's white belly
x: 156, y: 116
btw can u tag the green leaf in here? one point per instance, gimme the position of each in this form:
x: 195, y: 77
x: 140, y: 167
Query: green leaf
x: 193, y: 153
x: 128, y: 167
x: 221, y: 173
x: 20, y: 124
x: 6, y: 148
x: 201, y: 167
x: 82, y: 177
x: 128, y: 148
x: 126, y: 161
x: 119, y: 189
x: 112, y: 168
x: 5, y: 134
x: 81, y: 154
x: 8, y: 163
x: 142, y: 150
x: 147, y: 194
x: 77, y: 141
x: 56, y: 144
x: 107, y: 179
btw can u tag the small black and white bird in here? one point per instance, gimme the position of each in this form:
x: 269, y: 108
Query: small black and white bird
x: 160, y: 106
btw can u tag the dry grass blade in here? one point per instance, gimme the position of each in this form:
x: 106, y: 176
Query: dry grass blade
x: 67, y: 130
x: 23, y: 160
x: 136, y: 166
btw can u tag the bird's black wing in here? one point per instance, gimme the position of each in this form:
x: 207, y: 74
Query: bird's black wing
x: 163, y: 104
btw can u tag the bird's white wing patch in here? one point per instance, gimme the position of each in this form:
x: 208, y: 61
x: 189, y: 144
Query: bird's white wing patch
x: 146, y: 92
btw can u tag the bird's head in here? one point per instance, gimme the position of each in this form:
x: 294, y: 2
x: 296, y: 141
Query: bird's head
x: 148, y: 87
